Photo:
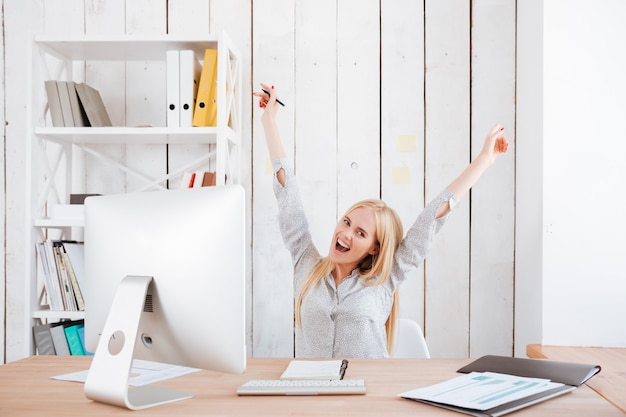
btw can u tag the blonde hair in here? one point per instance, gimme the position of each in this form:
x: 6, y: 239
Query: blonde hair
x: 389, y: 233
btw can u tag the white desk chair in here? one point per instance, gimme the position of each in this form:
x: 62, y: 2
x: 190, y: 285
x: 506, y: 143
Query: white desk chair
x: 410, y: 341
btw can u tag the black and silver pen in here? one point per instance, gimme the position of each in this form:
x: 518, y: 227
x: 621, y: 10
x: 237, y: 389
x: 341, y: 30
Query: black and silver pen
x: 277, y: 100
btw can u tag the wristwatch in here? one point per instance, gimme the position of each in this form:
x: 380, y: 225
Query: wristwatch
x: 453, y: 202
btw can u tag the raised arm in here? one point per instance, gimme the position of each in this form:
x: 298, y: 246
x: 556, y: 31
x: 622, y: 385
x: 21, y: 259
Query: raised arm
x: 272, y: 136
x: 495, y: 143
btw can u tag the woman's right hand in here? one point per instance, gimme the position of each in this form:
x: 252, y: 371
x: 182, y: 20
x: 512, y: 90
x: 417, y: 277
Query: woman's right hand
x: 272, y: 136
x: 267, y: 102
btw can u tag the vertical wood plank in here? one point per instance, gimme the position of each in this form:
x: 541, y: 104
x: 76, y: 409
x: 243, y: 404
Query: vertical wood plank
x: 316, y: 115
x: 273, y: 62
x: 402, y: 127
x: 447, y: 154
x: 145, y: 92
x: 493, y: 197
x: 109, y: 78
x: 21, y: 20
x: 2, y: 206
x: 529, y: 221
x: 358, y: 101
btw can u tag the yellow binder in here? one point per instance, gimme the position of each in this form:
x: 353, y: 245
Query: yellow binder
x: 206, y: 100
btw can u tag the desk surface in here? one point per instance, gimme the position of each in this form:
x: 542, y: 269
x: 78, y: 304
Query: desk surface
x: 609, y: 383
x: 26, y: 389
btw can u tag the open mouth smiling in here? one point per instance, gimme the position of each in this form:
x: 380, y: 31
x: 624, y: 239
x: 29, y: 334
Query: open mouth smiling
x: 341, y: 246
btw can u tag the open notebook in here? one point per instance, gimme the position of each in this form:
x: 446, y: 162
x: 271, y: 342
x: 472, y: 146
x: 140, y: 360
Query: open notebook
x: 315, y: 369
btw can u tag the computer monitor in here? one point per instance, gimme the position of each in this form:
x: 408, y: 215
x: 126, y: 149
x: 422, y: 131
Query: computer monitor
x: 165, y: 281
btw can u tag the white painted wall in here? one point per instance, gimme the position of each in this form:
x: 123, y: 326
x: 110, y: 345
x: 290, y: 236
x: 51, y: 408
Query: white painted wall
x: 570, y: 169
x: 584, y: 170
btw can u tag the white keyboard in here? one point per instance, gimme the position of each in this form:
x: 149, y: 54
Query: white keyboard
x: 302, y: 387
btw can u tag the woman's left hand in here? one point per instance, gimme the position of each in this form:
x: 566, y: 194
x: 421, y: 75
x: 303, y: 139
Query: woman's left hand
x: 495, y: 143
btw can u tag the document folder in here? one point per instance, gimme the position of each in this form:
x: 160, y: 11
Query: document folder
x: 172, y: 58
x: 205, y: 113
x: 550, y: 379
x: 567, y: 373
x: 189, y: 73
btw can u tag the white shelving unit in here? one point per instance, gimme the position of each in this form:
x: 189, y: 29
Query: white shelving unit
x: 56, y: 155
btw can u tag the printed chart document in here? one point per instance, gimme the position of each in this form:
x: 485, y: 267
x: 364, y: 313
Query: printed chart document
x: 142, y: 373
x: 481, y: 390
x: 315, y: 369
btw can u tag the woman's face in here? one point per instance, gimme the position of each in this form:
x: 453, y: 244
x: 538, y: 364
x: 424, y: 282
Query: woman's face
x: 354, y: 237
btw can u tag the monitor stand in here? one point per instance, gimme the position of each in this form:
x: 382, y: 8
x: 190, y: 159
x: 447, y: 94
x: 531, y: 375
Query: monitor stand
x: 107, y: 380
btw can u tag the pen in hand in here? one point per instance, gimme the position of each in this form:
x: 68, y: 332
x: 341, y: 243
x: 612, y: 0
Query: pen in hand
x: 277, y: 100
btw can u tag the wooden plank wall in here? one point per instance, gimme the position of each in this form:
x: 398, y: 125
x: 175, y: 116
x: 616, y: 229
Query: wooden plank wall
x: 2, y: 203
x: 385, y: 98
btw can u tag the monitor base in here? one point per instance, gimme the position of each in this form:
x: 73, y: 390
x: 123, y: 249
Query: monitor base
x: 107, y: 380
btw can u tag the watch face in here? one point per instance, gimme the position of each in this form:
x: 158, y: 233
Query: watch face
x: 452, y: 202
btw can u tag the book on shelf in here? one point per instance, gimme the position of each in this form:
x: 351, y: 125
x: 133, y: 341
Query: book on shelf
x: 76, y: 253
x: 497, y: 385
x: 204, y: 179
x: 73, y: 279
x: 54, y: 103
x: 66, y: 104
x: 94, y: 106
x: 67, y: 290
x: 57, y: 332
x: 205, y: 113
x: 49, y: 275
x: 81, y: 336
x: 78, y: 111
x: 73, y: 340
x: 43, y: 339
x: 66, y: 108
x: 198, y: 179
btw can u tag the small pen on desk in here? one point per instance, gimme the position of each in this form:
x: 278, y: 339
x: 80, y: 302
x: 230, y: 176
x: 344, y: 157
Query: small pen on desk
x: 277, y: 100
x: 342, y: 369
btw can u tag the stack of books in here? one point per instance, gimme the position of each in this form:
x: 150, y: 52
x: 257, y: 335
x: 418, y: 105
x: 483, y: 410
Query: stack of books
x: 63, y: 338
x: 198, y: 179
x: 75, y: 105
x: 62, y: 264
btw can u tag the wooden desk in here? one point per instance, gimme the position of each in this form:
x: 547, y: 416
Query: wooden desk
x: 27, y: 390
x: 609, y: 383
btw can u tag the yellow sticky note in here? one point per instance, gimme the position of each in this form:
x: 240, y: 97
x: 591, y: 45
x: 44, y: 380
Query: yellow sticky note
x: 400, y: 175
x: 407, y: 143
